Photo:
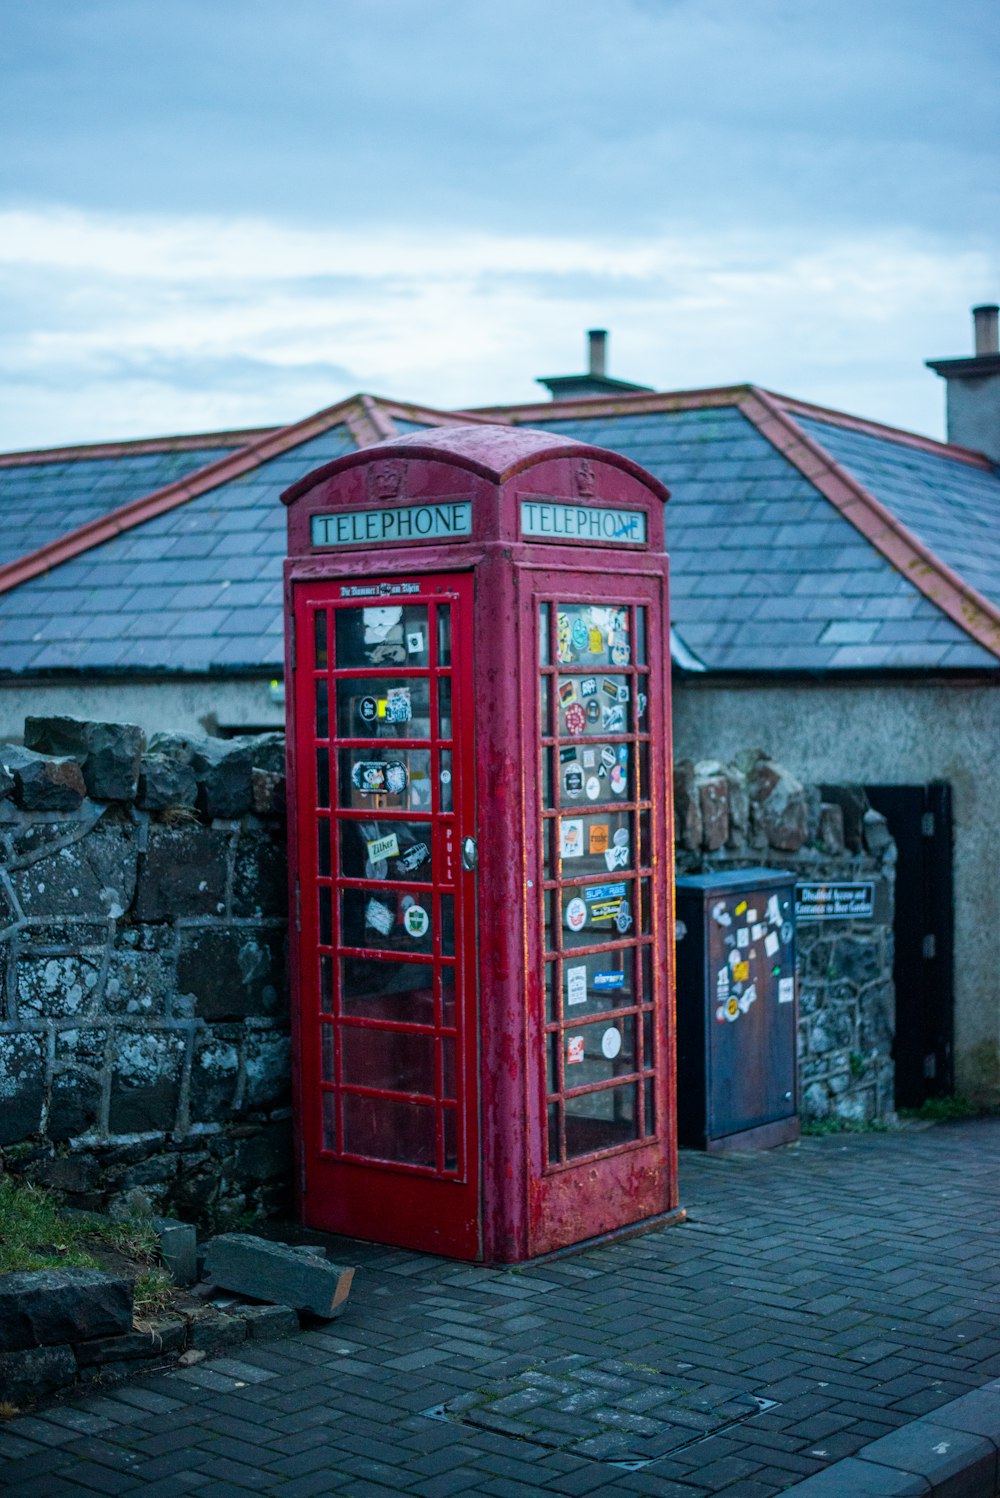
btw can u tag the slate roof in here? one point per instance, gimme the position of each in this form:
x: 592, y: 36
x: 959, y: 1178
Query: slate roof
x: 43, y: 499
x: 800, y: 540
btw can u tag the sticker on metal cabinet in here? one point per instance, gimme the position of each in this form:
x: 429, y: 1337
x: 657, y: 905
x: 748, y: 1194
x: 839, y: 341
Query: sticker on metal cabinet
x: 751, y: 917
x: 786, y: 933
x: 574, y: 1050
x: 748, y: 998
x: 379, y: 917
x: 576, y: 915
x: 576, y: 985
x: 741, y: 907
x: 741, y: 971
x: 416, y: 921
x: 722, y: 983
x: 771, y: 943
x: 381, y: 848
x: 732, y: 1009
x: 756, y: 931
x: 743, y: 937
x: 773, y: 911
x: 571, y: 839
x: 786, y: 990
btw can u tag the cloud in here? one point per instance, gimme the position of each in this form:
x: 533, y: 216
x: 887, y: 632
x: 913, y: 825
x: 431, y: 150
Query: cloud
x: 149, y: 323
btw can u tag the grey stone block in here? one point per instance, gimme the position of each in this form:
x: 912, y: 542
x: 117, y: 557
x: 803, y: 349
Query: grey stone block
x: 108, y: 753
x: 33, y: 1372
x: 855, y: 1478
x: 183, y: 873
x: 977, y: 1413
x: 266, y: 1323
x: 178, y: 1249
x: 210, y: 1330
x: 163, y: 1337
x: 44, y: 1307
x: 955, y: 1463
x: 274, y: 1272
x: 165, y: 782
x: 23, y: 1069
x: 42, y: 783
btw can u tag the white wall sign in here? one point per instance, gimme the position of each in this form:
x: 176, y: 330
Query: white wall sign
x: 440, y: 521
x: 550, y: 521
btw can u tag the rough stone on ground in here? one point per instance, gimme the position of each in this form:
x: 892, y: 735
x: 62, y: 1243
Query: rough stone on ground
x: 274, y: 1272
x: 42, y: 783
x: 108, y: 753
x: 43, y: 1307
x: 34, y: 1372
x: 178, y: 1249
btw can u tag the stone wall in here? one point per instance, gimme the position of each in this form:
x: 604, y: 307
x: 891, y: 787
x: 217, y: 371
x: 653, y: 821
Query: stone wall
x: 752, y: 811
x: 144, y: 1048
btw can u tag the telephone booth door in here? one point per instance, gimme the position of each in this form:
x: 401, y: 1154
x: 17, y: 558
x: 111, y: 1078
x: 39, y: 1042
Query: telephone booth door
x: 386, y: 910
x: 605, y: 1061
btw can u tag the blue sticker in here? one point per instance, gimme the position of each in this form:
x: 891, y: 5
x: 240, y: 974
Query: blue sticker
x: 609, y: 980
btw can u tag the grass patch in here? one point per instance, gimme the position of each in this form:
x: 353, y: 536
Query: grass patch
x: 949, y: 1109
x: 816, y: 1128
x: 36, y: 1234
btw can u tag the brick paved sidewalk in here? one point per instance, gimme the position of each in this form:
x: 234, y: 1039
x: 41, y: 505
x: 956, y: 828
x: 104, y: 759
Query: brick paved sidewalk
x: 819, y: 1296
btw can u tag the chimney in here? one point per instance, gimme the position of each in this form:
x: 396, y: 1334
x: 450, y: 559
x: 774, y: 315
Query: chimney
x: 973, y: 387
x: 595, y: 381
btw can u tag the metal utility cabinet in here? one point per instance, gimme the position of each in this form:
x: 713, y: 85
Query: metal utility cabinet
x: 736, y: 1010
x: 479, y: 757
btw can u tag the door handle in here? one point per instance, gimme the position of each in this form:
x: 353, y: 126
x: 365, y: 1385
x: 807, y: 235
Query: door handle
x: 470, y: 853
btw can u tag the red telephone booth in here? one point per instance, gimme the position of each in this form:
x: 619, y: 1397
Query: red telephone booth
x: 478, y: 727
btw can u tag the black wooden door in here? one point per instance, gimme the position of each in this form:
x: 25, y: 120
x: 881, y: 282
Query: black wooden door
x: 920, y: 821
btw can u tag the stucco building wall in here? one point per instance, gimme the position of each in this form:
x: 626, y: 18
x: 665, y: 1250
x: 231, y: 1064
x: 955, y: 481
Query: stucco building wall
x: 191, y: 705
x: 893, y: 732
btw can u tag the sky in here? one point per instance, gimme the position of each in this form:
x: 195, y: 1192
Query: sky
x: 227, y: 213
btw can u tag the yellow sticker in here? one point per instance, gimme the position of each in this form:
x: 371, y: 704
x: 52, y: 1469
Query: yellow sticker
x: 732, y: 1008
x: 596, y: 641
x: 599, y: 838
x: 741, y: 972
x: 382, y: 705
x: 741, y: 907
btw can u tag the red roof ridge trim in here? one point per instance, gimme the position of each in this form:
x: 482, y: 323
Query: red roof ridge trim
x: 910, y: 556
x: 795, y: 407
x: 409, y: 411
x: 171, y: 496
x: 190, y: 442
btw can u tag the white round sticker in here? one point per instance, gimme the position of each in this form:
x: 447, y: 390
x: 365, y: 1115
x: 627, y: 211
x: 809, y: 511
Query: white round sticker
x: 576, y: 915
x: 611, y: 1043
x: 620, y: 838
x: 593, y: 788
x: 446, y: 777
x: 416, y: 920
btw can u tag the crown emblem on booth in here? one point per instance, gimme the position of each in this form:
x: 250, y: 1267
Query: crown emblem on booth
x: 585, y: 480
x: 383, y: 480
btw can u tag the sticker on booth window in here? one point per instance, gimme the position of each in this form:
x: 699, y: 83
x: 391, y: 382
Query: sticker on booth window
x: 610, y: 689
x: 786, y: 990
x: 620, y: 654
x: 574, y: 1050
x: 368, y: 709
x: 593, y: 710
x: 611, y: 1042
x: 416, y: 921
x: 576, y: 719
x: 567, y: 754
x: 567, y: 692
x: 413, y: 858
x: 623, y: 920
x: 573, y: 782
x: 371, y: 776
x: 608, y: 755
x: 381, y: 848
x: 576, y: 985
x: 595, y: 641
x: 571, y: 839
x: 598, y: 838
x: 620, y: 838
x: 616, y: 858
x: 771, y: 943
x: 589, y: 758
x: 579, y: 634
x: 593, y: 788
x: 588, y: 686
x: 379, y: 917
x: 619, y: 780
x: 415, y: 641
x: 576, y: 915
x: 564, y: 652
x: 613, y: 719
x: 642, y: 703
x: 604, y: 981
x: 397, y: 705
